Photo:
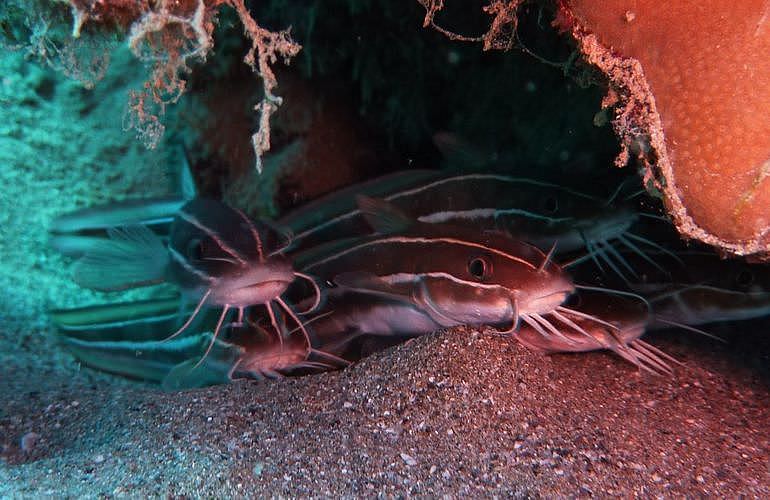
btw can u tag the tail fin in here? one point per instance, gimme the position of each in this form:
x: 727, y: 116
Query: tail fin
x: 133, y: 256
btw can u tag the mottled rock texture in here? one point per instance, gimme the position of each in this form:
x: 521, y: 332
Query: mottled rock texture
x: 691, y: 83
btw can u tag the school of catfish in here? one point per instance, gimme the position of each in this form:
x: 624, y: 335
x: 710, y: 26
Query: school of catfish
x: 376, y: 263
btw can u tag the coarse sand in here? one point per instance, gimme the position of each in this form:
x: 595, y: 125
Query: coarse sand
x: 459, y: 412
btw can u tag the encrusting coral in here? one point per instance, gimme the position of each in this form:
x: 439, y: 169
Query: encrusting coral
x: 690, y: 85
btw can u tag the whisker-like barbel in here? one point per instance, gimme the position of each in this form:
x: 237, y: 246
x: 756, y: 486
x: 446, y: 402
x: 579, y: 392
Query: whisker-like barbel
x: 616, y: 325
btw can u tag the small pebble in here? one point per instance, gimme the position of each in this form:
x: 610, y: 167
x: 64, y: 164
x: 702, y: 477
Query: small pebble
x: 29, y: 440
x: 408, y: 460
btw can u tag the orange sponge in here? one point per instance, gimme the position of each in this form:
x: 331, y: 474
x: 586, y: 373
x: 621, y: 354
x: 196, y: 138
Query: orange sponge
x: 691, y: 84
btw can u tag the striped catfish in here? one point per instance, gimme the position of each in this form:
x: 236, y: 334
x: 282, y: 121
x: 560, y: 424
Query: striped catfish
x: 457, y: 275
x: 541, y: 213
x: 260, y: 354
x: 216, y: 256
x: 535, y: 211
x: 706, y: 289
x: 700, y: 288
x: 384, y: 318
x: 130, y: 339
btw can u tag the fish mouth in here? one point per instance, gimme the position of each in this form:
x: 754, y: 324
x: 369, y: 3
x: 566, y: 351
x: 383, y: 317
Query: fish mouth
x: 266, y: 287
x: 254, y: 293
x: 543, y: 304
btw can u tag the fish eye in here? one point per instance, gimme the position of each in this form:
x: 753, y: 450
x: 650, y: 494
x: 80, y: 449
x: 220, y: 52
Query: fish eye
x: 480, y: 268
x: 550, y: 204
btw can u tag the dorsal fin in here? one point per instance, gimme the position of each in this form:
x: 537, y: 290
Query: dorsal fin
x: 382, y: 216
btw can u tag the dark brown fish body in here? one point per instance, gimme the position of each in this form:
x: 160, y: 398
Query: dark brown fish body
x: 534, y: 211
x: 457, y: 274
x: 702, y: 304
x: 702, y: 288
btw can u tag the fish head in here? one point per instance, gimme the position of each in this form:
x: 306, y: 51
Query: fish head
x: 217, y: 247
x: 491, y: 280
x: 533, y: 280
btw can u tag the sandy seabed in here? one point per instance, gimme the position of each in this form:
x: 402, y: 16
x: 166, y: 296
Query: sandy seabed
x: 460, y: 412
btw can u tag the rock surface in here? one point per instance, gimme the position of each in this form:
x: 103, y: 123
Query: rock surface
x: 692, y: 86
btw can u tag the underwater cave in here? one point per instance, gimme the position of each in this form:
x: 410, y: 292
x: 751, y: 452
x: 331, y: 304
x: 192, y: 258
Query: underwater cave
x: 320, y: 248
